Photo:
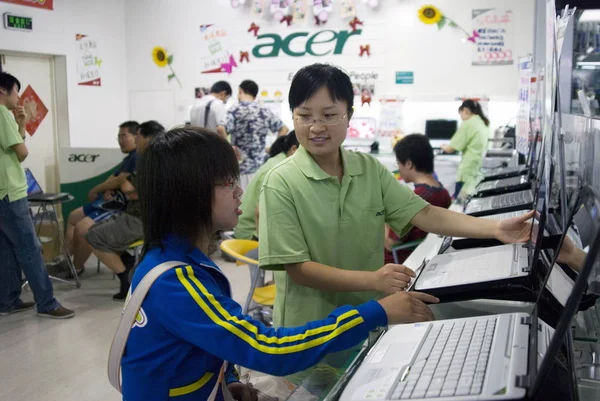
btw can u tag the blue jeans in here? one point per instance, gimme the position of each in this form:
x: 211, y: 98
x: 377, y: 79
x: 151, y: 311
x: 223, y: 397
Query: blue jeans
x: 20, y: 252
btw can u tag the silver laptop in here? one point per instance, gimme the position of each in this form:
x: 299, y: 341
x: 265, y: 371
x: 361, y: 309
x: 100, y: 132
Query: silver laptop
x: 503, y: 183
x: 500, y: 357
x: 520, y: 199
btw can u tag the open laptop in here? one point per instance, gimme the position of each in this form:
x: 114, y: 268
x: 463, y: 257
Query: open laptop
x: 499, y: 357
x: 496, y: 271
x: 506, y: 172
x: 35, y: 192
x: 503, y: 185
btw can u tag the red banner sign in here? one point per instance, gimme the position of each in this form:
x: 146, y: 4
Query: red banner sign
x: 45, y: 4
x: 34, y: 108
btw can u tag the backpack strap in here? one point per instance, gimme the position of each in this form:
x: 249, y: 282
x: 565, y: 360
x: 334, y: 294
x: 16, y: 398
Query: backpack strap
x: 206, y: 112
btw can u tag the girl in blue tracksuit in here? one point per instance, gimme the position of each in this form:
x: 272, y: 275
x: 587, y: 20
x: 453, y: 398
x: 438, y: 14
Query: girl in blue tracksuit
x: 189, y: 324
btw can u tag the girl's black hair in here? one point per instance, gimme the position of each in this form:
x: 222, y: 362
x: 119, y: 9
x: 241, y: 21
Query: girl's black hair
x: 475, y: 108
x: 311, y: 78
x: 284, y: 144
x: 177, y: 173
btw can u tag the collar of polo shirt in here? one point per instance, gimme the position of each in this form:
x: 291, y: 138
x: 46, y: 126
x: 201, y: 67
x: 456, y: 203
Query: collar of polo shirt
x: 311, y: 169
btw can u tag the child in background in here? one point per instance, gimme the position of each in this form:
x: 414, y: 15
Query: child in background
x: 415, y: 164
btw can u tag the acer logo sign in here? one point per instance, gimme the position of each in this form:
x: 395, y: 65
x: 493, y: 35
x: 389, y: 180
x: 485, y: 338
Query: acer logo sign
x: 83, y: 158
x: 298, y: 44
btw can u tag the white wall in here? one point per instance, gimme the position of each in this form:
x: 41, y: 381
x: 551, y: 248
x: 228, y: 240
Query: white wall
x: 94, y: 113
x: 399, y: 42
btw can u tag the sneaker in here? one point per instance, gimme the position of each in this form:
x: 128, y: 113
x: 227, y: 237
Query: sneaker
x: 59, y: 313
x: 23, y: 306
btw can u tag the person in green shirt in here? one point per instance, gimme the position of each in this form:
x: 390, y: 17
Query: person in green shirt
x: 20, y: 251
x: 282, y: 148
x: 471, y: 139
x: 322, y: 211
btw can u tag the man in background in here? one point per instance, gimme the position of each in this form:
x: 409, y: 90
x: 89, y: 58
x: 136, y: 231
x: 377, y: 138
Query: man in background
x: 210, y: 111
x: 20, y: 251
x: 81, y: 219
x: 415, y: 158
x: 110, y: 239
x: 249, y: 123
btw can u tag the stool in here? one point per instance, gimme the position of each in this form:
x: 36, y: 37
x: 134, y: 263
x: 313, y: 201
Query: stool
x: 246, y: 252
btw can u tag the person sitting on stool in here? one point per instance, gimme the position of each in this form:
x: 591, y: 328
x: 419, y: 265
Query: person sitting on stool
x: 110, y: 239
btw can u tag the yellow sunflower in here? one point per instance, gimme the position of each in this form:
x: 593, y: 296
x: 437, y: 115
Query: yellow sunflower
x: 159, y: 55
x: 430, y: 15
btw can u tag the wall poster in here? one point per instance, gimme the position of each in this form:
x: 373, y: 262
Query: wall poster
x: 88, y: 62
x: 495, y: 43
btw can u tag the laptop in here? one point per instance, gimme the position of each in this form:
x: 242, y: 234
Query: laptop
x: 503, y: 185
x: 440, y: 132
x: 506, y: 172
x: 513, y: 201
x: 503, y: 357
x: 35, y: 192
x: 504, y: 271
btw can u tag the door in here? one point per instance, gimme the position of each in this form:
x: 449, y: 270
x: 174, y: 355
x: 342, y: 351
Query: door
x: 37, y: 72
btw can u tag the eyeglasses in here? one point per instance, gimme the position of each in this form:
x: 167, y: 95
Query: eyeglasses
x: 329, y: 120
x: 231, y: 184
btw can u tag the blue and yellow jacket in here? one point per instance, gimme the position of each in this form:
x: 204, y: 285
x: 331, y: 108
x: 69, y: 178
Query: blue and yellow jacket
x: 188, y: 325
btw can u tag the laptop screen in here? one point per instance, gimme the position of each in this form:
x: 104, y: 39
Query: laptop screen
x: 33, y: 188
x: 591, y: 204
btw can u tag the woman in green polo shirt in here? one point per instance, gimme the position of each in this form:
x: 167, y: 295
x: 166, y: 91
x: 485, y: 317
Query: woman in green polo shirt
x: 471, y: 139
x: 323, y: 210
x: 283, y: 147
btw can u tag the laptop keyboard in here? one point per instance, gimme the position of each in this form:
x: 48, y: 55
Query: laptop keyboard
x: 507, y: 200
x: 451, y: 362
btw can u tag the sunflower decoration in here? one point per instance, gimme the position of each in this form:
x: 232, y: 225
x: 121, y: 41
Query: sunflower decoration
x: 163, y: 59
x: 430, y: 15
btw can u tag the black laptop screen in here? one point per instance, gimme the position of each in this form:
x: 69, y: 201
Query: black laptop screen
x: 440, y: 129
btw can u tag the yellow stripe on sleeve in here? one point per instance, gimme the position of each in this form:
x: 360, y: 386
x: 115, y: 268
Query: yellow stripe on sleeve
x: 251, y: 340
x: 190, y: 388
x: 253, y: 329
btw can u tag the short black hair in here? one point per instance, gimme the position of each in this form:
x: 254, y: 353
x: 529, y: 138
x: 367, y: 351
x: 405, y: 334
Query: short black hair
x: 131, y: 126
x: 311, y: 78
x: 8, y: 82
x: 284, y: 144
x: 150, y: 129
x: 221, y: 86
x: 249, y: 87
x: 177, y: 173
x: 417, y: 149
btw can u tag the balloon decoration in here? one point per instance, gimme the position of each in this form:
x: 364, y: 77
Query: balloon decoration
x: 432, y: 15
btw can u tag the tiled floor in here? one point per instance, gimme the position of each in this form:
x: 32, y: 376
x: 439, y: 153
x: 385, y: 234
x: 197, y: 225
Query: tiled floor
x: 50, y: 360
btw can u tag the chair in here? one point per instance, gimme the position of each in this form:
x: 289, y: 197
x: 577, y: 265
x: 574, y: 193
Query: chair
x: 406, y: 245
x: 246, y: 252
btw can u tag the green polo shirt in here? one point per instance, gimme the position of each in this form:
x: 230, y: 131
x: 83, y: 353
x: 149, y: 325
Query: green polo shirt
x: 472, y: 140
x: 246, y: 228
x: 307, y: 215
x: 12, y: 176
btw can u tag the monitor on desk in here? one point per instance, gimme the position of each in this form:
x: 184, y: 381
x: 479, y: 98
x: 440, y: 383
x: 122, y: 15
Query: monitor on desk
x: 440, y: 129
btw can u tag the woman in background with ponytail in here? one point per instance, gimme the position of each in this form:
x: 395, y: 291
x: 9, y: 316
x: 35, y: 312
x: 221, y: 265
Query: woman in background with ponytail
x: 471, y: 139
